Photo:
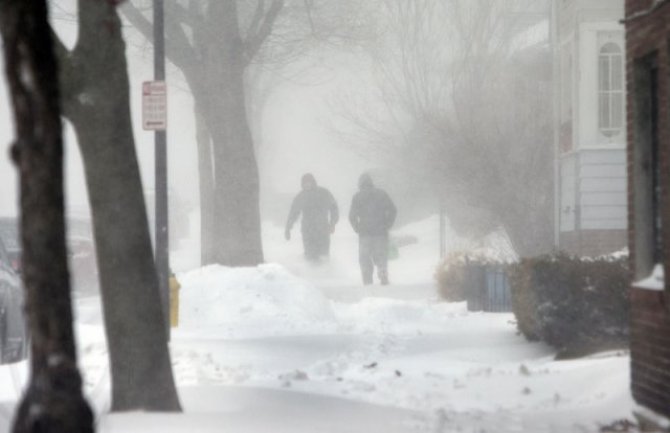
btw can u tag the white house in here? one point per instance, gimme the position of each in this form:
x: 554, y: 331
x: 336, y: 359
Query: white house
x: 590, y: 126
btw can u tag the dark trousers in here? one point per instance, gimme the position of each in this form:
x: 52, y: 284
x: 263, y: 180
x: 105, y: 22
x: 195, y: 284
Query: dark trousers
x: 373, y: 251
x: 316, y: 244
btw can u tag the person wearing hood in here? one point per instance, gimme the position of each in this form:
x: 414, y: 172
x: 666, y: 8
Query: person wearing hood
x: 372, y: 215
x: 319, y: 215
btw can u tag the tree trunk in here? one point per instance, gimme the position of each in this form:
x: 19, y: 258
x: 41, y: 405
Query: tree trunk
x: 53, y: 401
x: 530, y: 235
x: 236, y: 201
x: 219, y: 92
x: 238, y: 232
x: 206, y: 172
x: 136, y: 336
x: 214, y: 68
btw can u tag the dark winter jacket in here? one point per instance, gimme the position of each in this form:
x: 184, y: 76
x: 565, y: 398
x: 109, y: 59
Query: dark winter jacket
x: 318, y: 208
x: 372, y: 212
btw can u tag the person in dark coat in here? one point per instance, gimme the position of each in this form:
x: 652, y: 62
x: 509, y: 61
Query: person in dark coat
x: 319, y: 215
x: 372, y: 215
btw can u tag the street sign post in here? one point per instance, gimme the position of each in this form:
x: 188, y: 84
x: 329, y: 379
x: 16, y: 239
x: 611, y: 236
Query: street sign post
x: 154, y: 106
x: 156, y: 119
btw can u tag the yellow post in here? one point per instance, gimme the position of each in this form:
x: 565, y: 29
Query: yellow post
x: 174, y: 301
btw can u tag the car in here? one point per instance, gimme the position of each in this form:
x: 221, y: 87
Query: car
x: 9, y: 233
x: 81, y: 256
x: 13, y: 332
x: 81, y: 251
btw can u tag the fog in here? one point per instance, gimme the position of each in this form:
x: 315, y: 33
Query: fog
x: 140, y: 60
x: 303, y: 121
x: 297, y: 136
x: 440, y: 300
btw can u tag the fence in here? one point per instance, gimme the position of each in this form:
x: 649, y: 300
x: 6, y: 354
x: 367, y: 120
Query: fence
x: 488, y: 288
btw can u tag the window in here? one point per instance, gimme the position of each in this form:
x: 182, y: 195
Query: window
x: 610, y: 89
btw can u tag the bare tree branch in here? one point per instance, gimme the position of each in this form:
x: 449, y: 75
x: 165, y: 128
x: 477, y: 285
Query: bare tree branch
x: 180, y: 14
x: 256, y: 19
x: 455, y: 107
x: 178, y: 48
x: 138, y: 20
x: 255, y: 40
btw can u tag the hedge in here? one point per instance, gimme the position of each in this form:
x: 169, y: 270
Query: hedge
x: 575, y: 305
x: 451, y: 276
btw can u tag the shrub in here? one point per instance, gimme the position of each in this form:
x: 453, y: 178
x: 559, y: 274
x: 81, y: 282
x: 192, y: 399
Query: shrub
x: 451, y: 277
x: 461, y: 276
x: 524, y: 299
x: 575, y: 305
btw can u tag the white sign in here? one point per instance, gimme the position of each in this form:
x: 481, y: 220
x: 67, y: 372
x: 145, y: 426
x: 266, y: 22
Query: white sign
x: 154, y: 105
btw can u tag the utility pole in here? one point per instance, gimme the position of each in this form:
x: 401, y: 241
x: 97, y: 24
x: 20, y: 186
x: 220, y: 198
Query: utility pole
x: 443, y: 228
x: 556, y: 121
x: 162, y: 254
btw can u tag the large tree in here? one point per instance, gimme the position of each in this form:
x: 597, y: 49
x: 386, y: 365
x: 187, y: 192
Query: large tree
x: 460, y: 107
x: 53, y: 401
x: 220, y: 47
x: 213, y: 56
x: 96, y: 100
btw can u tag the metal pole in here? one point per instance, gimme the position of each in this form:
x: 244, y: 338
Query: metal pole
x: 443, y: 229
x: 556, y: 120
x: 162, y: 240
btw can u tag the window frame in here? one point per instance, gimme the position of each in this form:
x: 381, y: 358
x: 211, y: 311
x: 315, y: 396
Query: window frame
x: 610, y: 76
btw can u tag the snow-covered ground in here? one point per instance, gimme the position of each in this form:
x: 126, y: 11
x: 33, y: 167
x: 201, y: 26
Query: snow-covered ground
x: 292, y: 347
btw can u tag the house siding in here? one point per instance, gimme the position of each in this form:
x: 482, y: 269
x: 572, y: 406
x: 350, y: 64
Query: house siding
x: 603, y: 200
x: 592, y: 187
x: 649, y: 33
x: 596, y: 180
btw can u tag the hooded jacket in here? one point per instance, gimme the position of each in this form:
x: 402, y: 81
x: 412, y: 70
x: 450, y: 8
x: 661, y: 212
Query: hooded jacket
x: 372, y: 212
x: 317, y: 206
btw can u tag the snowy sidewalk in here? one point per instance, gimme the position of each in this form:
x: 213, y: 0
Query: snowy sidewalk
x: 302, y: 349
x: 235, y: 409
x: 259, y: 349
x: 373, y: 365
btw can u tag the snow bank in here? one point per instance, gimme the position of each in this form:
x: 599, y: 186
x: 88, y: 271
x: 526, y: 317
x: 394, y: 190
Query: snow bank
x: 655, y: 281
x: 393, y: 316
x: 268, y: 301
x: 247, y: 302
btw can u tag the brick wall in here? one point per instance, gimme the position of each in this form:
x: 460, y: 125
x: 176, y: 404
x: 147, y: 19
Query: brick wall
x: 650, y: 348
x: 650, y: 317
x: 633, y: 6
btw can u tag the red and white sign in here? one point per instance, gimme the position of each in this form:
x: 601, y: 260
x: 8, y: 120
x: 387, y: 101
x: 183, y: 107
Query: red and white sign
x: 154, y: 105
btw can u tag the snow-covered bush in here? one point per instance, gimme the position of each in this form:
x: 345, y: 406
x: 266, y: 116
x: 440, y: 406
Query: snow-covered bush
x: 524, y: 299
x: 575, y: 305
x: 451, y: 277
x: 251, y: 302
x: 479, y: 279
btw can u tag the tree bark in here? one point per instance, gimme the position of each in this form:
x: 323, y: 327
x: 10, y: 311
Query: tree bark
x: 236, y: 170
x: 53, y: 401
x: 206, y: 178
x: 98, y: 105
x: 214, y: 66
